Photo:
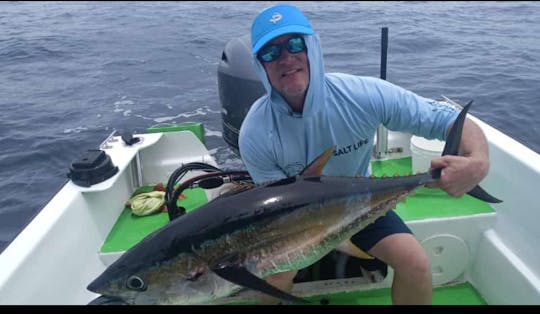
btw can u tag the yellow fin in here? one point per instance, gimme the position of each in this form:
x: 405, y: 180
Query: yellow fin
x: 315, y: 167
x: 348, y: 247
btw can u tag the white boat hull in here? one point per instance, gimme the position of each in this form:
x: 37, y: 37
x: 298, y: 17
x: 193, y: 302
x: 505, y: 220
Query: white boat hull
x: 55, y: 257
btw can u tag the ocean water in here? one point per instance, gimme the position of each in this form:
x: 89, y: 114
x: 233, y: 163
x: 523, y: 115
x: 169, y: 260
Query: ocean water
x: 72, y: 72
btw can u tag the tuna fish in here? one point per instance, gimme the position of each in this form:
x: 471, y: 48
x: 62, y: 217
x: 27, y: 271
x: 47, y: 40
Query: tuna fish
x: 236, y: 240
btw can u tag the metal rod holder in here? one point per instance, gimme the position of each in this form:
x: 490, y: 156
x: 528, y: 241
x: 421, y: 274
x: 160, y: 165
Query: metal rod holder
x: 381, y: 147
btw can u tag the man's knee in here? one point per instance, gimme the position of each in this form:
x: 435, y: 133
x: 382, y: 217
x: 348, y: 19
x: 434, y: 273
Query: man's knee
x: 416, y: 265
x: 413, y: 262
x: 404, y: 254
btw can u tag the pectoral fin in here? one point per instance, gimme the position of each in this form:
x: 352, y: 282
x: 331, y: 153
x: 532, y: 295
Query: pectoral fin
x: 242, y: 277
x: 349, y: 248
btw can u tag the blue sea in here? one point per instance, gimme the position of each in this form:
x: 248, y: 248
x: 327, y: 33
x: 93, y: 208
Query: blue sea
x: 72, y: 72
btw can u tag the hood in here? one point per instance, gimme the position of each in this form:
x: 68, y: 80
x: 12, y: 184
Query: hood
x: 315, y: 92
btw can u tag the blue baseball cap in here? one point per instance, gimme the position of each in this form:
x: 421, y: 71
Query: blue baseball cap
x: 276, y: 21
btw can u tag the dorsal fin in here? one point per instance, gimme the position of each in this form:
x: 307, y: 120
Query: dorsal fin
x: 316, y: 166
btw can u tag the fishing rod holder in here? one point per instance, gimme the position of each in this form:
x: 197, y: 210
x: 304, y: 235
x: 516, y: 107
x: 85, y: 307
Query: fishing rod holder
x: 381, y: 145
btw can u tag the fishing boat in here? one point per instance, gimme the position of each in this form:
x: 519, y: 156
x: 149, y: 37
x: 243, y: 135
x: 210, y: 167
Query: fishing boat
x: 479, y: 253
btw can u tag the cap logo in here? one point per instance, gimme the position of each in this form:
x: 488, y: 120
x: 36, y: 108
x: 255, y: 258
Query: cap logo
x: 276, y: 17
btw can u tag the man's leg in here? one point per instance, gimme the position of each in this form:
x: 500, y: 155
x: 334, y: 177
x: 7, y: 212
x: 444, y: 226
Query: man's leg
x: 283, y: 281
x: 412, y: 274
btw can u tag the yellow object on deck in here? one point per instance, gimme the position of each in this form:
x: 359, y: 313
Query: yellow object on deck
x: 146, y: 203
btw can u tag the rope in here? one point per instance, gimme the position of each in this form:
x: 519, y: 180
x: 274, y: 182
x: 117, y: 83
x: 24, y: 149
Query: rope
x: 144, y: 204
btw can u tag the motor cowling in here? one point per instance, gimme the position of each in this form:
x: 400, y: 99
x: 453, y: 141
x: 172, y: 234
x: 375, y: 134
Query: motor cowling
x: 238, y: 85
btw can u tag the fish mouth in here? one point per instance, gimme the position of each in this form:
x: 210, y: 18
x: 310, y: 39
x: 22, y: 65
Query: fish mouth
x: 108, y: 300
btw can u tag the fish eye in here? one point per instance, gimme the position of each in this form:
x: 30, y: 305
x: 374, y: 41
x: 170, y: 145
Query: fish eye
x: 136, y: 283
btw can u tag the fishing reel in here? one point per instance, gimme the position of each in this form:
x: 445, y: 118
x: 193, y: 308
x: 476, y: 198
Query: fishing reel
x: 213, y: 178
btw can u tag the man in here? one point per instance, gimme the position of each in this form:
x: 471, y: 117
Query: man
x: 305, y: 111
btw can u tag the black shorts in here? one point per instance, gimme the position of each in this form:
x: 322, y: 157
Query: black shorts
x: 384, y: 226
x: 366, y: 238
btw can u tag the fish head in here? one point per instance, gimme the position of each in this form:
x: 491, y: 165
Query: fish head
x: 157, y: 286
x: 179, y: 280
x: 132, y: 287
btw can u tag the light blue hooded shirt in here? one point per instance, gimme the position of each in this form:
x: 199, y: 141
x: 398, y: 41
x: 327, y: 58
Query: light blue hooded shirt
x: 340, y: 110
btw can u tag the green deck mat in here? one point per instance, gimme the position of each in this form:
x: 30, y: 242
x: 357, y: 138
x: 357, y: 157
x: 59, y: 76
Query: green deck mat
x: 461, y: 294
x: 130, y: 229
x: 425, y: 202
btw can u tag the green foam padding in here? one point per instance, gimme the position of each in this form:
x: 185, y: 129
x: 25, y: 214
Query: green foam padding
x: 426, y: 202
x: 130, y: 229
x: 196, y: 127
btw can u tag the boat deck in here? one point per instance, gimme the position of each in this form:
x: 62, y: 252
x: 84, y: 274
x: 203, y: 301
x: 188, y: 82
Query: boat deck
x: 428, y: 203
x: 459, y: 294
x: 130, y: 229
x: 424, y: 204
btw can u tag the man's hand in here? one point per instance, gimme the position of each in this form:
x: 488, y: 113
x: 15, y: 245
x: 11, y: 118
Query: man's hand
x: 462, y: 173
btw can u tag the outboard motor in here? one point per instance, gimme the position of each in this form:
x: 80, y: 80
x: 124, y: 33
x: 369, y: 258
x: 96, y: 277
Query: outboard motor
x: 239, y: 86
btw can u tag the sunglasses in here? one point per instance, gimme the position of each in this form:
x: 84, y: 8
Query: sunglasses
x: 272, y: 52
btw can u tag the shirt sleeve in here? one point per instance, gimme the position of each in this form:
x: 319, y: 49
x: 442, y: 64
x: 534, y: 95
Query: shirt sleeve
x: 399, y: 109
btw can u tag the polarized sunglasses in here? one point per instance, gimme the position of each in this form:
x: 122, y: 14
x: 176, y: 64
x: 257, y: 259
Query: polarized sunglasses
x: 272, y: 52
